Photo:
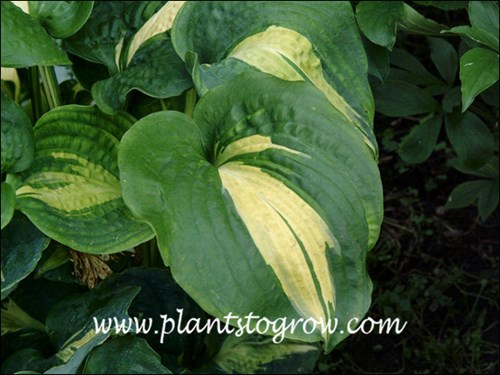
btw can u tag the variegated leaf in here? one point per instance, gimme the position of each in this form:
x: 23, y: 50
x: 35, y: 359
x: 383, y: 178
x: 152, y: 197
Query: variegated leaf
x: 316, y: 42
x: 72, y: 190
x: 130, y: 38
x: 269, y: 185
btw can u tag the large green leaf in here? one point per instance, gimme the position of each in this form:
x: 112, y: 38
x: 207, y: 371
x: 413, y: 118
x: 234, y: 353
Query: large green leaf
x: 470, y: 137
x: 18, y: 147
x: 155, y: 70
x: 379, y: 27
x: 444, y: 57
x: 72, y: 191
x: 317, y: 42
x: 25, y: 42
x: 130, y: 354
x: 61, y: 19
x: 266, y: 202
x: 483, y: 16
x: 22, y: 246
x: 478, y: 71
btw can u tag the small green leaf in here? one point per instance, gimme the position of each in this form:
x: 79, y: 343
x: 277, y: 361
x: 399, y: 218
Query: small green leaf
x: 478, y: 71
x: 487, y: 170
x: 61, y: 19
x: 491, y: 96
x: 484, y: 15
x: 22, y: 246
x: 18, y: 147
x: 72, y: 191
x: 476, y: 35
x: 414, y: 23
x: 378, y: 60
x: 25, y: 43
x: 8, y: 203
x: 485, y: 192
x: 417, y: 73
x: 131, y: 355
x: 444, y: 57
x: 379, y: 27
x: 465, y: 194
x: 470, y: 137
x: 16, y: 319
x: 155, y: 70
x: 58, y: 255
x: 399, y: 99
x: 488, y: 198
x: 417, y: 146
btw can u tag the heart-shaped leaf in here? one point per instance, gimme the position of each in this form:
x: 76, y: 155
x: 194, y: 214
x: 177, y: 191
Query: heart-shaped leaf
x: 478, y: 71
x: 269, y: 185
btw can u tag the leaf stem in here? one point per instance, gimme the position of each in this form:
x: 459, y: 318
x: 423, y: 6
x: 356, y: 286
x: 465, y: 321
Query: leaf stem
x: 36, y: 99
x: 190, y: 102
x: 50, y: 85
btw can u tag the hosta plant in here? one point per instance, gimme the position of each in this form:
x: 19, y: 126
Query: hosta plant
x: 214, y: 157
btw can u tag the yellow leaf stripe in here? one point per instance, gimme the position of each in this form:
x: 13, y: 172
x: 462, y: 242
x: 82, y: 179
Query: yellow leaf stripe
x: 289, y: 233
x: 88, y: 185
x: 159, y: 23
x: 289, y: 55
